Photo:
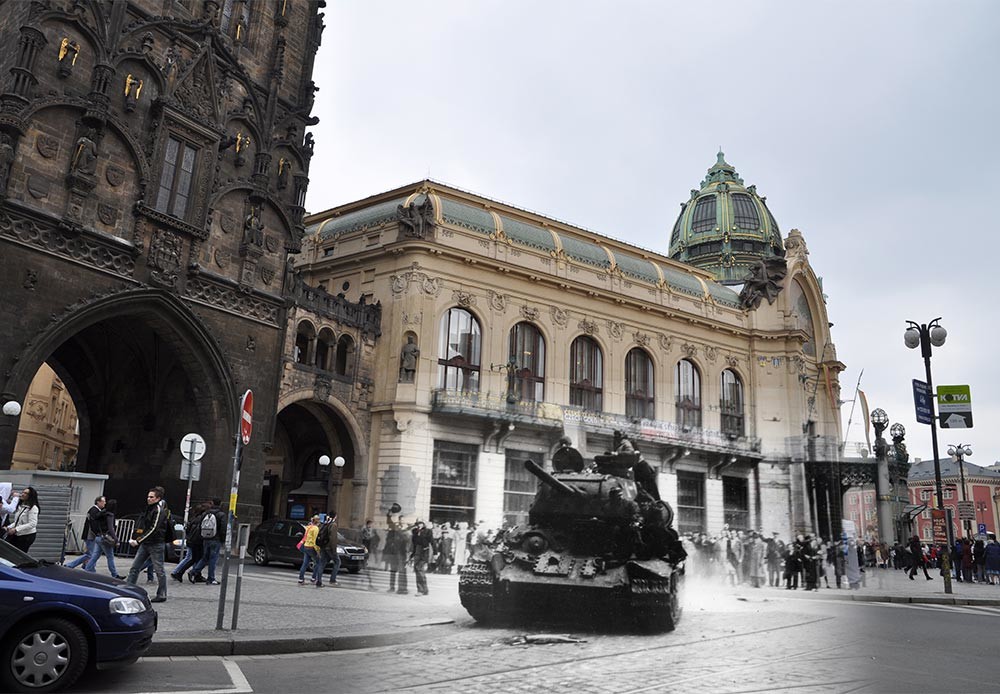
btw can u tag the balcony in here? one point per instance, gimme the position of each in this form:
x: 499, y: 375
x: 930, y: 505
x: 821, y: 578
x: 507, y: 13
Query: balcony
x: 551, y: 416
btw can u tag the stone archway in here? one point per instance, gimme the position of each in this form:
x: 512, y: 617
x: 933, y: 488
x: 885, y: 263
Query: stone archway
x: 142, y: 371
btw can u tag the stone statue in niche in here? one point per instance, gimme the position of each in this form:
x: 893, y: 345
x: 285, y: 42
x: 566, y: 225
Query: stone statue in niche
x: 253, y: 229
x: 84, y: 154
x: 6, y: 160
x: 762, y: 282
x: 69, y: 51
x: 416, y: 220
x: 133, y: 86
x: 283, y: 166
x: 408, y: 361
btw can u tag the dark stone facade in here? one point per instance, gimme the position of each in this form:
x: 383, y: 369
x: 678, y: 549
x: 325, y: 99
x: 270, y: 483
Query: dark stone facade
x: 153, y: 170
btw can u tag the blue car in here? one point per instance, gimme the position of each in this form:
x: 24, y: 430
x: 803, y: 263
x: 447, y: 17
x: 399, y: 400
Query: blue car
x: 55, y: 621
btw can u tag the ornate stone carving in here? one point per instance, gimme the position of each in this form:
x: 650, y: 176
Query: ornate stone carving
x: 560, y: 316
x: 762, y: 282
x: 76, y: 247
x: 689, y: 350
x: 30, y: 279
x: 266, y: 275
x: 732, y: 361
x: 251, y: 344
x: 428, y: 285
x: 795, y: 245
x: 412, y: 318
x: 221, y: 258
x: 228, y: 299
x: 615, y: 329
x: 47, y: 146
x: 464, y: 299
x: 84, y: 159
x: 666, y: 342
x: 416, y: 221
x: 271, y: 243
x: 529, y: 313
x: 711, y: 353
x: 115, y: 175
x: 108, y: 214
x: 641, y: 338
x: 498, y: 301
x: 588, y: 326
x: 227, y: 223
x: 38, y: 186
x: 164, y: 257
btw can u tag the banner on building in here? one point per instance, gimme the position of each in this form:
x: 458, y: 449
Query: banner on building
x: 864, y: 413
x: 940, y: 525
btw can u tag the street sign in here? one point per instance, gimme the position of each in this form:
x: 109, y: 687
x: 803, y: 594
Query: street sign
x: 190, y: 470
x: 955, y: 407
x: 922, y: 402
x: 940, y: 524
x: 981, y: 528
x: 192, y: 447
x: 246, y: 416
x: 966, y: 510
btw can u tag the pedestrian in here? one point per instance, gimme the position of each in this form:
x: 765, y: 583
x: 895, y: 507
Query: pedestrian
x: 993, y: 561
x: 193, y: 545
x: 396, y: 547
x: 758, y: 561
x: 21, y: 531
x: 420, y: 555
x: 979, y: 560
x: 213, y: 527
x: 809, y: 569
x: 967, y: 562
x: 308, y: 548
x: 149, y: 539
x: 734, y: 558
x: 917, y: 552
x: 852, y: 564
x: 327, y: 541
x: 369, y: 540
x: 8, y: 504
x: 773, y: 554
x: 793, y: 565
x: 93, y: 525
x: 107, y: 542
x: 461, y: 532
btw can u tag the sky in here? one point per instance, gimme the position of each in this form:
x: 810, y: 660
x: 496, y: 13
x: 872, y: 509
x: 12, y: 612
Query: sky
x: 869, y: 126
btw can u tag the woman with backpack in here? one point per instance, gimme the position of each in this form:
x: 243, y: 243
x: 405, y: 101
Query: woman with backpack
x: 23, y: 528
x: 193, y: 542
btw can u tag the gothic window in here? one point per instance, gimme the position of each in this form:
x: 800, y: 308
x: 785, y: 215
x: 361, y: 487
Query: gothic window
x: 731, y: 404
x: 745, y: 215
x: 324, y: 347
x: 453, y: 482
x: 703, y: 218
x: 305, y: 336
x: 175, y: 178
x: 640, y: 400
x: 586, y: 377
x: 527, y: 353
x: 461, y: 348
x: 687, y: 394
x: 342, y: 362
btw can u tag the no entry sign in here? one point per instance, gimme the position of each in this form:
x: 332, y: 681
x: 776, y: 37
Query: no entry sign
x: 246, y: 417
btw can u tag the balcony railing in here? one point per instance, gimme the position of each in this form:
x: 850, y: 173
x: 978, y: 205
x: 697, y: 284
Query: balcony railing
x: 551, y: 414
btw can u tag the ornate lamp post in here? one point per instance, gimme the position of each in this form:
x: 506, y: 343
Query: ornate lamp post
x: 959, y: 453
x: 324, y: 462
x: 926, y: 335
x: 880, y: 420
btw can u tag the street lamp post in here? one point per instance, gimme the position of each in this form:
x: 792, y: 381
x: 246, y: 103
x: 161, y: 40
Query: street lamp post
x: 324, y: 462
x: 959, y: 453
x: 926, y: 335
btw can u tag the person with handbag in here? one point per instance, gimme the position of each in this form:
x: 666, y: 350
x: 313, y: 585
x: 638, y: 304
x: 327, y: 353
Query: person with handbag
x: 93, y: 530
x: 149, y: 541
x: 22, y: 530
x: 107, y: 542
x: 308, y: 548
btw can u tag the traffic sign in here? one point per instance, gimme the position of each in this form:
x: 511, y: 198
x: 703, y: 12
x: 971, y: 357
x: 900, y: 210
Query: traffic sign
x: 246, y: 416
x: 981, y: 528
x: 192, y: 447
x: 922, y: 402
x: 955, y: 407
x: 966, y: 510
x: 190, y: 470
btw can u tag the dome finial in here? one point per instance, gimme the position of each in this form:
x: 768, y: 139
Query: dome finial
x: 720, y: 158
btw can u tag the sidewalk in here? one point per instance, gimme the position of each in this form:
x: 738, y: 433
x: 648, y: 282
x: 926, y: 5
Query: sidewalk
x: 890, y: 585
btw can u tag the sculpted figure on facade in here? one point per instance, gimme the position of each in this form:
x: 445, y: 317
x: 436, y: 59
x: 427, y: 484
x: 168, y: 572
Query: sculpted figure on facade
x: 408, y: 361
x: 84, y: 154
x: 763, y: 282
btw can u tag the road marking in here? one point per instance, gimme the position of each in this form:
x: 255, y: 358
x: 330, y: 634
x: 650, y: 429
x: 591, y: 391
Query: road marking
x: 240, y: 684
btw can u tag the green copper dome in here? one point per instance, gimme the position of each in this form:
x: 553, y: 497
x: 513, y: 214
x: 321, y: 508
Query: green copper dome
x: 725, y: 227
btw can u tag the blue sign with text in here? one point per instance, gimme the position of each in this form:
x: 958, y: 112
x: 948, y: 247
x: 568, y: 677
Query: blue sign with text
x: 922, y: 402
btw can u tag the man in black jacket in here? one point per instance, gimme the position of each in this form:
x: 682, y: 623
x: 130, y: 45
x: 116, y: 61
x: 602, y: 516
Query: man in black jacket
x: 149, y: 540
x: 92, y: 527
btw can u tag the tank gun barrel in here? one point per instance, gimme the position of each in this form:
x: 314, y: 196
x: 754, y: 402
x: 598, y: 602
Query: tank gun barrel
x: 547, y: 478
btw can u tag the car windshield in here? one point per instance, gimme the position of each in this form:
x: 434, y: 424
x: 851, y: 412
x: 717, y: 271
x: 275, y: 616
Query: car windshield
x: 12, y: 556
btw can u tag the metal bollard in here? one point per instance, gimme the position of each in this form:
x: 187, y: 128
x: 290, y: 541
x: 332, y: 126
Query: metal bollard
x: 244, y: 535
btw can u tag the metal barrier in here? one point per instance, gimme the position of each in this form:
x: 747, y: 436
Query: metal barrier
x: 123, y: 530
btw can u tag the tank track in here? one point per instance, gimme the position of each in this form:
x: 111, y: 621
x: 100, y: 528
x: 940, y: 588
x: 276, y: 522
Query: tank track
x: 475, y: 590
x: 654, y: 603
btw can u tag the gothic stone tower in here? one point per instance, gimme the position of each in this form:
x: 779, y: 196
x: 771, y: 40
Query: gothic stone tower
x: 153, y: 170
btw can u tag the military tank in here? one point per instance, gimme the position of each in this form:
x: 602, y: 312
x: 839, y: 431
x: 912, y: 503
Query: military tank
x: 597, y: 546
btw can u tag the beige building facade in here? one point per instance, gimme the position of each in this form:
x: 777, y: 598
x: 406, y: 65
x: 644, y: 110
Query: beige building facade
x: 503, y: 331
x: 49, y: 435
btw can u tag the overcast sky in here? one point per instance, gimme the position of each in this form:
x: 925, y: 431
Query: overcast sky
x: 869, y: 126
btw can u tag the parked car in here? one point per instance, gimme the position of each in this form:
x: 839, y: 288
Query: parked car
x: 55, y: 622
x: 274, y: 540
x: 172, y: 551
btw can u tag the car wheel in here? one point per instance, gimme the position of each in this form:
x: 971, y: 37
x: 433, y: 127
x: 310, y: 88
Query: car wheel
x: 260, y: 557
x: 43, y: 656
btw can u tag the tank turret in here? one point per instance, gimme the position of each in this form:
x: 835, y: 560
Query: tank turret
x: 596, y: 543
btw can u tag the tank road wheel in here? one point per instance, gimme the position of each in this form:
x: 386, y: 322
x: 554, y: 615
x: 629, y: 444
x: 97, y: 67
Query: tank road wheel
x: 475, y: 590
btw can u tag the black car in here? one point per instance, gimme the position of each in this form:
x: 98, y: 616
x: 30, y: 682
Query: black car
x: 276, y: 539
x: 55, y: 622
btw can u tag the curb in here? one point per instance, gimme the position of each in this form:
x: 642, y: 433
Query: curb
x: 226, y: 645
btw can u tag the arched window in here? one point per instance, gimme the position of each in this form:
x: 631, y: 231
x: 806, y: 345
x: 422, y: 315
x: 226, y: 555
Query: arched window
x: 324, y: 348
x: 461, y: 347
x: 345, y: 348
x: 731, y: 404
x: 640, y: 402
x: 305, y: 335
x: 687, y: 394
x: 586, y: 375
x: 527, y: 353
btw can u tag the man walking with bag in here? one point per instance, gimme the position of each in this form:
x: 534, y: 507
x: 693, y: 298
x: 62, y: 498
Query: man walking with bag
x: 149, y: 540
x: 93, y: 532
x: 213, y: 534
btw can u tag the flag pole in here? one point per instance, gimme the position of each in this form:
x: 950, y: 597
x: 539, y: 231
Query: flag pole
x: 850, y: 417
